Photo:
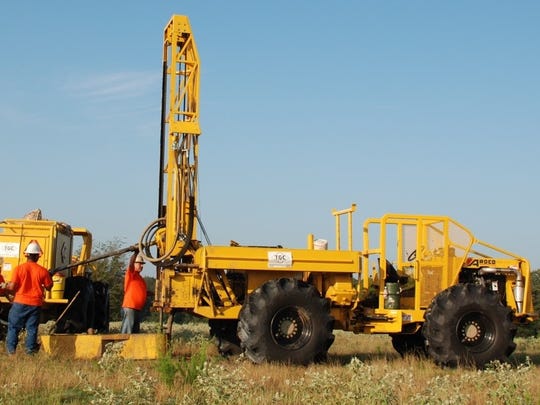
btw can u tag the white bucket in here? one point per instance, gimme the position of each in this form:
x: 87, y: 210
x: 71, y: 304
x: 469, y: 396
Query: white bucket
x: 320, y: 244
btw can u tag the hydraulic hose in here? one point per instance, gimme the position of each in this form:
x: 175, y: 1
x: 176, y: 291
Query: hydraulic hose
x: 149, y: 233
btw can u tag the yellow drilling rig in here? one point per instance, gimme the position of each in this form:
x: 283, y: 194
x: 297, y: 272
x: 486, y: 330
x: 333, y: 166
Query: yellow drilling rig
x: 425, y: 280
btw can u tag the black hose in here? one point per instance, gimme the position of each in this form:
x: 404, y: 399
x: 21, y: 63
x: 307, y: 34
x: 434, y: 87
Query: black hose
x: 189, y: 234
x: 150, y: 232
x: 160, y: 211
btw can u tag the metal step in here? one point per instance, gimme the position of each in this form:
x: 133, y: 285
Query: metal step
x: 140, y: 346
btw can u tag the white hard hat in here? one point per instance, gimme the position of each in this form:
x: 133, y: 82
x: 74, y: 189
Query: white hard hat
x: 139, y: 259
x: 33, y: 248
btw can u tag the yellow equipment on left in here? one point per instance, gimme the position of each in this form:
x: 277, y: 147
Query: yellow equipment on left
x: 77, y: 305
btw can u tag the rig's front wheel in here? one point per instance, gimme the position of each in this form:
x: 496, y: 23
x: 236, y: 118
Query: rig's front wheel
x: 467, y: 324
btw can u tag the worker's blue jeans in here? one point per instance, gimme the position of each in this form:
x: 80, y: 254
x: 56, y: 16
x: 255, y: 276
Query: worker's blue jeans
x: 131, y: 321
x: 23, y: 316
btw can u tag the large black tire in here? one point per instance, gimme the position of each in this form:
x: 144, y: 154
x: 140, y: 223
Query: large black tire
x: 101, y: 307
x: 410, y: 344
x: 468, y: 325
x: 224, y: 331
x: 287, y: 321
x: 80, y: 315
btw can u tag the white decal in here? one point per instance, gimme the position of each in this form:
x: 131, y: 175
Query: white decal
x: 9, y: 249
x: 279, y: 259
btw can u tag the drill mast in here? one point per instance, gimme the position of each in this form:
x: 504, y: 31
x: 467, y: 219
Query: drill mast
x: 179, y: 147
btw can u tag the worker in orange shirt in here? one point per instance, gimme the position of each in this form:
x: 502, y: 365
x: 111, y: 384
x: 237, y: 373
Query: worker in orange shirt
x: 134, y: 295
x: 28, y: 282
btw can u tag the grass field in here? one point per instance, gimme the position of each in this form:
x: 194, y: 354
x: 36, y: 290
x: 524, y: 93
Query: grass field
x: 361, y: 369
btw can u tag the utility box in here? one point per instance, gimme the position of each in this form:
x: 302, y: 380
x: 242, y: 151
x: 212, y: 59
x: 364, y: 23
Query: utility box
x: 54, y: 238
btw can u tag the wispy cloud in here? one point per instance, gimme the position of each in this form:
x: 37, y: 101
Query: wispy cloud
x: 113, y: 86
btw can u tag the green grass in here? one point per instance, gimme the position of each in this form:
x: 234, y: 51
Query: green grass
x: 360, y: 369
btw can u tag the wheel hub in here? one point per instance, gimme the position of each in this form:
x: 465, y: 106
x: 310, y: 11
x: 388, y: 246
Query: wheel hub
x: 287, y: 328
x: 291, y: 327
x: 476, y: 331
x: 471, y: 332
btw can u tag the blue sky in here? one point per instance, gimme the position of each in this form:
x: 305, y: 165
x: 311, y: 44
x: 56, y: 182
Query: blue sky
x: 399, y: 106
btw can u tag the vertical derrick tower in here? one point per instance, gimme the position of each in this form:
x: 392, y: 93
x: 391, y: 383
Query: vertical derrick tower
x: 179, y: 148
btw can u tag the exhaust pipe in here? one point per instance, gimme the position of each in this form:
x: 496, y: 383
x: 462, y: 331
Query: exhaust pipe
x: 519, y: 287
